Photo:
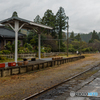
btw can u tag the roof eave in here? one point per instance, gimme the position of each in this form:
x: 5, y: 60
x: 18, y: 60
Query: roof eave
x: 6, y: 21
x: 41, y: 25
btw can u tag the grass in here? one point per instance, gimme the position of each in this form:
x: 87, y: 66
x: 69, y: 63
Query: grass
x: 19, y: 59
x: 88, y: 74
x: 9, y: 60
x: 70, y: 55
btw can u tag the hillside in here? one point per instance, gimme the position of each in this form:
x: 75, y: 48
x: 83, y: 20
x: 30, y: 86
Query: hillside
x: 86, y: 37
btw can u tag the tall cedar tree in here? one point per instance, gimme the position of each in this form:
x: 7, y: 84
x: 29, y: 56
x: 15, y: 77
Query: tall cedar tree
x: 78, y: 37
x: 60, y: 22
x: 94, y: 36
x: 49, y: 20
x: 72, y: 35
x: 37, y: 19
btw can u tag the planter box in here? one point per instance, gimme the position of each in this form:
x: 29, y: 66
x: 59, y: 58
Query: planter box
x: 25, y: 62
x: 2, y: 65
x: 12, y: 64
x: 20, y: 63
x: 53, y: 58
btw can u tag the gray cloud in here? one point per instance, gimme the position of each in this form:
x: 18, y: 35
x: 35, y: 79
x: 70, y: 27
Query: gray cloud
x: 84, y: 15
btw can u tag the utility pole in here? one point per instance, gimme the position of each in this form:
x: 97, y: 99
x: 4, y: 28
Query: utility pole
x: 59, y: 45
x: 80, y: 45
x: 67, y: 34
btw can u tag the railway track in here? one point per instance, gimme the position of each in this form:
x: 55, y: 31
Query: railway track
x: 65, y: 86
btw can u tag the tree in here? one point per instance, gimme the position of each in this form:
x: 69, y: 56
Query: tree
x: 72, y: 35
x: 38, y: 19
x: 30, y: 36
x: 95, y: 45
x: 86, y: 37
x: 60, y: 22
x: 76, y: 44
x: 94, y: 36
x: 51, y: 43
x: 49, y: 19
x: 78, y: 37
x: 63, y: 35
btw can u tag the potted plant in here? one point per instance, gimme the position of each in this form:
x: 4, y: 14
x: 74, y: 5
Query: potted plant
x: 2, y: 65
x: 25, y: 62
x: 20, y: 63
x: 12, y: 64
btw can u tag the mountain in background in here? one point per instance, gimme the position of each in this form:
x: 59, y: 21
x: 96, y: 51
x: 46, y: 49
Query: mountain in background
x: 86, y: 37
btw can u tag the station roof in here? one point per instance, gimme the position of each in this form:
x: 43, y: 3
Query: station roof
x: 8, y: 33
x: 28, y: 24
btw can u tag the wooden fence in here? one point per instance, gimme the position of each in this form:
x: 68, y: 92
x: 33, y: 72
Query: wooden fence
x: 32, y: 67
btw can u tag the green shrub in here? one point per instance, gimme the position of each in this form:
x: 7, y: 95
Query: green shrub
x: 21, y: 51
x: 47, y: 49
x: 42, y: 50
x: 1, y: 52
x: 29, y: 46
x: 2, y: 58
x: 26, y: 50
x: 71, y: 50
x: 6, y: 51
x: 41, y: 55
x: 33, y: 51
x: 86, y: 50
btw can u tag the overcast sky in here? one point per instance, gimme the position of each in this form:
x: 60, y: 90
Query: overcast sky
x: 84, y: 15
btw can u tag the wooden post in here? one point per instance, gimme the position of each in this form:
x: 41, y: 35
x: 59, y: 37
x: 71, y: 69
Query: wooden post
x: 32, y: 67
x: 1, y: 73
x: 11, y: 71
x: 19, y: 70
x: 38, y: 66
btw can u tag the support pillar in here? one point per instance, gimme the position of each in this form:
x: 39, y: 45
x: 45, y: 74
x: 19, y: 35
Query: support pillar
x: 16, y: 28
x: 16, y: 39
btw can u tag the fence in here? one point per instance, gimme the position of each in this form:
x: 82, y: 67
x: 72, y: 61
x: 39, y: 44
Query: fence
x: 44, y: 54
x: 32, y: 67
x: 33, y: 55
x: 19, y: 55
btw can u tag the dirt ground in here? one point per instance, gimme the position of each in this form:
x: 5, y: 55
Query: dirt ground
x: 17, y: 87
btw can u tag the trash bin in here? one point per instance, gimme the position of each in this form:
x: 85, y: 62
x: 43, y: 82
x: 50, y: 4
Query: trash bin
x: 33, y: 59
x: 24, y: 59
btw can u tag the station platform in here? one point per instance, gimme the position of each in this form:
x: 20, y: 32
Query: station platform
x: 34, y: 62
